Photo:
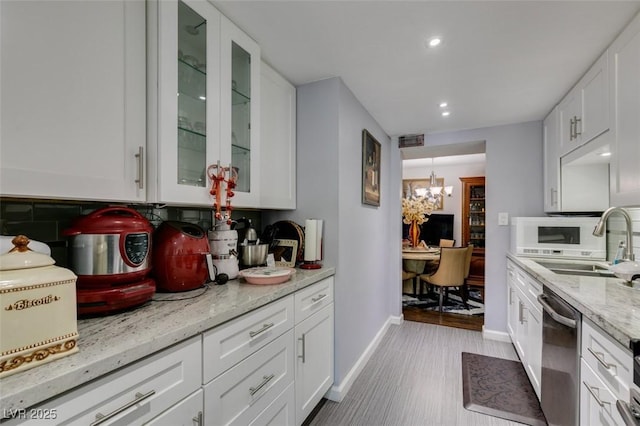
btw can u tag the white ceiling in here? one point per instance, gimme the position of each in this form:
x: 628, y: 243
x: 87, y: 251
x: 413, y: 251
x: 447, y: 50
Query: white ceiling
x: 500, y: 62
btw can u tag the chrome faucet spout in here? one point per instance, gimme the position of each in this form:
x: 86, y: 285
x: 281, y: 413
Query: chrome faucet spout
x: 599, y: 229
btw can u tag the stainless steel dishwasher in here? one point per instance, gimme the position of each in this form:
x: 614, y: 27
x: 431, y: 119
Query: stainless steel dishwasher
x: 560, y: 377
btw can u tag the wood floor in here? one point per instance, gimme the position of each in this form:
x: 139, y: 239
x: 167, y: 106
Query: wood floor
x: 467, y: 322
x: 414, y: 378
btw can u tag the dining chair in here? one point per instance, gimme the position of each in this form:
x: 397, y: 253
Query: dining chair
x: 447, y: 243
x: 432, y: 266
x: 451, y: 271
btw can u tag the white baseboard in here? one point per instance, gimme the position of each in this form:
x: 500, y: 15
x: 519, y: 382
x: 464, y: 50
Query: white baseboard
x: 338, y: 391
x: 500, y: 336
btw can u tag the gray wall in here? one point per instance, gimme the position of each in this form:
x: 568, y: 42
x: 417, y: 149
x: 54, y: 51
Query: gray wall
x: 361, y: 241
x: 514, y: 185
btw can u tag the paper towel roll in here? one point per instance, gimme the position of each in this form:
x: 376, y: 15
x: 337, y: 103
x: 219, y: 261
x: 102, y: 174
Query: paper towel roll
x: 310, y: 240
x: 319, y: 239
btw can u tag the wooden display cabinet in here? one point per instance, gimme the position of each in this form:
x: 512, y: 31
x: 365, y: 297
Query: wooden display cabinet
x: 473, y: 226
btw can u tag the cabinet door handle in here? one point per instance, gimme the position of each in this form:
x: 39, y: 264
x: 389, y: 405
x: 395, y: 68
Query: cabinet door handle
x: 140, y: 157
x: 577, y: 133
x: 599, y: 356
x: 319, y: 298
x: 571, y: 129
x: 304, y: 348
x: 554, y: 196
x: 265, y: 380
x: 264, y: 328
x: 520, y: 313
x: 595, y: 396
x: 198, y: 420
x: 510, y: 295
x: 101, y: 418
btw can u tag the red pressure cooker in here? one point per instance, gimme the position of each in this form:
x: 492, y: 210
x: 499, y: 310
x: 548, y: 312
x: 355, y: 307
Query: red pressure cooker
x: 110, y: 246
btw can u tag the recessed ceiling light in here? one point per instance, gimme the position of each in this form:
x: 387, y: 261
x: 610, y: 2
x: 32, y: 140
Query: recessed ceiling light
x: 203, y: 98
x: 434, y: 42
x: 443, y: 104
x: 445, y: 113
x: 605, y: 154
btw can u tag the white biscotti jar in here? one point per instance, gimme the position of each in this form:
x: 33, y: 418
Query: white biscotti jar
x: 38, y: 320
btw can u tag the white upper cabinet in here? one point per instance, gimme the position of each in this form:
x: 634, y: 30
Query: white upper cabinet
x: 584, y: 112
x: 73, y: 100
x: 203, y: 103
x: 278, y: 141
x: 551, y: 175
x: 183, y: 102
x: 240, y: 112
x: 625, y: 110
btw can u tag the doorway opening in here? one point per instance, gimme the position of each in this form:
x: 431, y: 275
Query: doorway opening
x: 460, y: 167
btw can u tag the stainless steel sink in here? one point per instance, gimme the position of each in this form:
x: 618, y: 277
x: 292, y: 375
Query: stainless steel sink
x: 571, y: 268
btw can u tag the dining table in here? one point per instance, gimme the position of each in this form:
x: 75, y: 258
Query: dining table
x: 416, y: 259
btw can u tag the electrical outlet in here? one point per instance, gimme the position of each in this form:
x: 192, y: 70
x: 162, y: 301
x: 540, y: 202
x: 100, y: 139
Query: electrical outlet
x: 503, y: 219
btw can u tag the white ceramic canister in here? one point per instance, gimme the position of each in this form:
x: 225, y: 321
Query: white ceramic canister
x: 37, y: 309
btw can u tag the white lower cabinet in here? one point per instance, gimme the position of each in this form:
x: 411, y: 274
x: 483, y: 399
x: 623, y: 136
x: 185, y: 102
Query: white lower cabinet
x: 524, y: 321
x: 228, y: 344
x: 281, y: 412
x: 240, y: 394
x: 314, y: 363
x: 314, y: 340
x: 132, y: 395
x: 606, y: 373
x: 270, y: 366
x: 188, y: 412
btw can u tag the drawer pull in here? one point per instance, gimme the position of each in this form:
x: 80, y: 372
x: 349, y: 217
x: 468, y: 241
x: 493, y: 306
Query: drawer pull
x: 304, y: 348
x: 593, y: 393
x: 265, y: 380
x: 101, y: 418
x: 264, y: 328
x: 198, y: 420
x: 319, y: 298
x: 600, y: 357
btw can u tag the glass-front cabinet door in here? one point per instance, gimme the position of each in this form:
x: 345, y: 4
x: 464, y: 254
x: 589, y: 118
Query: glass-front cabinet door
x: 240, y: 102
x: 203, y: 100
x: 184, y: 116
x: 192, y: 97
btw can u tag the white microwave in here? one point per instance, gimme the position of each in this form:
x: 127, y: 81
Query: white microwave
x: 569, y: 237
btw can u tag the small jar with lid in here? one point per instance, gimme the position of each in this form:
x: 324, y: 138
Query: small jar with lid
x: 37, y: 309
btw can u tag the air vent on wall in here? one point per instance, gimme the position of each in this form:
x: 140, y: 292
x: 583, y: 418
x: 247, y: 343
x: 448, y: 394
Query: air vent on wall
x: 407, y: 141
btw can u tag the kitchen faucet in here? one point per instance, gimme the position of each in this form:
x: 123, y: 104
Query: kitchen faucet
x: 599, y: 229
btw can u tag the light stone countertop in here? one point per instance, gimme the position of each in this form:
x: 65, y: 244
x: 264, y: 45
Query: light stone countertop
x: 110, y: 342
x: 608, y: 302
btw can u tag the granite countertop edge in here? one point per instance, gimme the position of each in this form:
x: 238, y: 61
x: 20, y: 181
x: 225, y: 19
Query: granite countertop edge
x: 114, y: 341
x: 605, y: 301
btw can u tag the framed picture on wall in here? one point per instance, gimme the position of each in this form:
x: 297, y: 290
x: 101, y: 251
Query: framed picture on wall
x: 409, y: 187
x: 371, y: 155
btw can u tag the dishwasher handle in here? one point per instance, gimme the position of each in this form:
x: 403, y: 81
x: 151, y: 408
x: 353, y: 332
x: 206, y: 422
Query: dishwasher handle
x: 569, y: 322
x: 626, y: 413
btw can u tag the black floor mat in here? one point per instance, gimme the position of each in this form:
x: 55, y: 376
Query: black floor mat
x: 500, y: 388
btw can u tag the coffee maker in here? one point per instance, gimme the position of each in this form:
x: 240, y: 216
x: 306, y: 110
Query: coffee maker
x: 223, y: 242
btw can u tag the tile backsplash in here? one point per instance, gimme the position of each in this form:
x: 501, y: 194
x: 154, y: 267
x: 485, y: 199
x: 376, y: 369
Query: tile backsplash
x: 44, y: 220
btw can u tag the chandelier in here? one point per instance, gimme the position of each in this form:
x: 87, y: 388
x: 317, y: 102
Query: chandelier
x: 434, y: 193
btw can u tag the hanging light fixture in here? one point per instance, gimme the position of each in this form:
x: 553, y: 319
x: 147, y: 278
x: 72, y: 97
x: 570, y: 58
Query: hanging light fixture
x: 434, y: 193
